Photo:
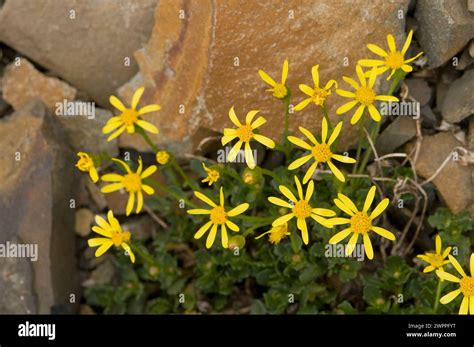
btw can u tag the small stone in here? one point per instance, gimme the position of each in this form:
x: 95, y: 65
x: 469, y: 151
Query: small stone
x: 428, y: 117
x: 97, y: 56
x: 454, y: 181
x: 470, y: 5
x: 141, y: 227
x: 103, y: 274
x: 419, y: 89
x: 96, y: 195
x: 84, y: 220
x: 22, y: 83
x: 459, y: 101
x: 399, y: 132
x: 445, y: 27
x: 117, y: 201
x: 465, y: 60
x: 471, y: 48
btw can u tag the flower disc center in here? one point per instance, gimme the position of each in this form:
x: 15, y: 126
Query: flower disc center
x: 361, y: 223
x: 467, y: 286
x: 218, y: 215
x: 365, y: 95
x: 302, y: 209
x: 322, y: 152
x: 394, y: 60
x: 245, y: 133
x: 132, y: 182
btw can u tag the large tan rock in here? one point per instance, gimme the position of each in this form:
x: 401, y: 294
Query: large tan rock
x: 37, y: 183
x: 85, y: 42
x: 192, y: 61
x: 22, y: 83
x: 455, y: 181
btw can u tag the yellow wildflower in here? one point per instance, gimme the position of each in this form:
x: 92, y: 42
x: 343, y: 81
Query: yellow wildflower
x: 360, y: 222
x: 131, y: 182
x: 300, y: 208
x: 218, y: 217
x: 316, y: 94
x: 86, y: 164
x: 162, y: 157
x: 279, y: 90
x: 114, y: 236
x: 319, y: 152
x: 466, y: 286
x: 276, y: 234
x: 245, y: 133
x: 129, y: 117
x: 364, y: 96
x: 392, y: 59
x: 435, y: 260
x: 212, y: 175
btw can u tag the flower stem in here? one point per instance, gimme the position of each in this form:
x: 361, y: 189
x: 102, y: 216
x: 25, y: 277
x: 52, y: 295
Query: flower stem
x: 147, y: 257
x: 438, y: 294
x: 183, y: 175
x: 170, y: 192
x: 147, y: 139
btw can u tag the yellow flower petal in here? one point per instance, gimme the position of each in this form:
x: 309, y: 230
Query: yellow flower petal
x: 406, y: 45
x: 128, y: 251
x: 148, y: 171
x: 147, y: 189
x: 234, y: 118
x: 309, y: 135
x: 369, y: 198
x: 413, y: 58
x: 227, y: 138
x: 447, y: 276
x: 302, y: 104
x: 136, y: 97
x: 204, y: 198
x: 377, y: 50
x: 348, y: 202
x: 103, y: 248
x: 407, y: 68
x: 438, y: 244
x: 368, y: 246
x: 456, y: 265
x: 258, y: 122
x: 149, y: 109
x: 372, y: 77
x: 301, y: 225
x: 299, y: 188
x: 234, y: 151
x: 374, y: 113
x: 315, y: 75
x: 391, y: 43
x: 350, y: 81
x: 323, y: 221
x: 249, y: 159
x: 198, y: 211
x: 346, y: 107
x: 380, y: 208
x: 429, y: 268
x: 117, y: 133
x: 340, y: 236
x: 310, y: 172
x: 309, y: 191
x: 336, y: 171
x: 279, y: 202
x: 202, y: 230
x: 282, y: 220
x: 130, y: 203
x: 264, y: 140
x: 300, y: 161
x: 117, y: 103
x: 335, y: 133
x: 250, y: 115
x: 101, y: 231
x: 343, y: 159
x: 471, y: 264
x: 287, y: 193
x: 238, y: 210
x: 298, y: 142
x: 97, y: 241
x: 358, y: 114
x: 112, y: 178
x: 224, y: 236
x: 339, y: 221
x: 211, y: 237
x: 232, y: 226
x: 147, y: 126
x: 345, y: 93
x: 323, y: 212
x: 386, y: 98
x: 360, y: 75
x: 112, y: 188
x: 139, y: 202
x: 343, y: 207
x: 266, y: 78
x: 306, y: 89
x: 93, y: 174
x: 110, y: 126
x: 446, y: 299
x: 384, y: 233
x: 370, y: 62
x: 324, y: 130
x: 284, y: 72
x: 351, y: 244
x: 464, y: 309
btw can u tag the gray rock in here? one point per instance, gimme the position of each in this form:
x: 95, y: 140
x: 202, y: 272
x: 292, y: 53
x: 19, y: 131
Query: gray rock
x: 428, y: 117
x: 420, y: 90
x: 459, y: 100
x: 89, y: 50
x: 84, y: 221
x: 445, y: 27
x: 37, y: 183
x: 399, y: 132
x: 85, y: 133
x: 454, y: 181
